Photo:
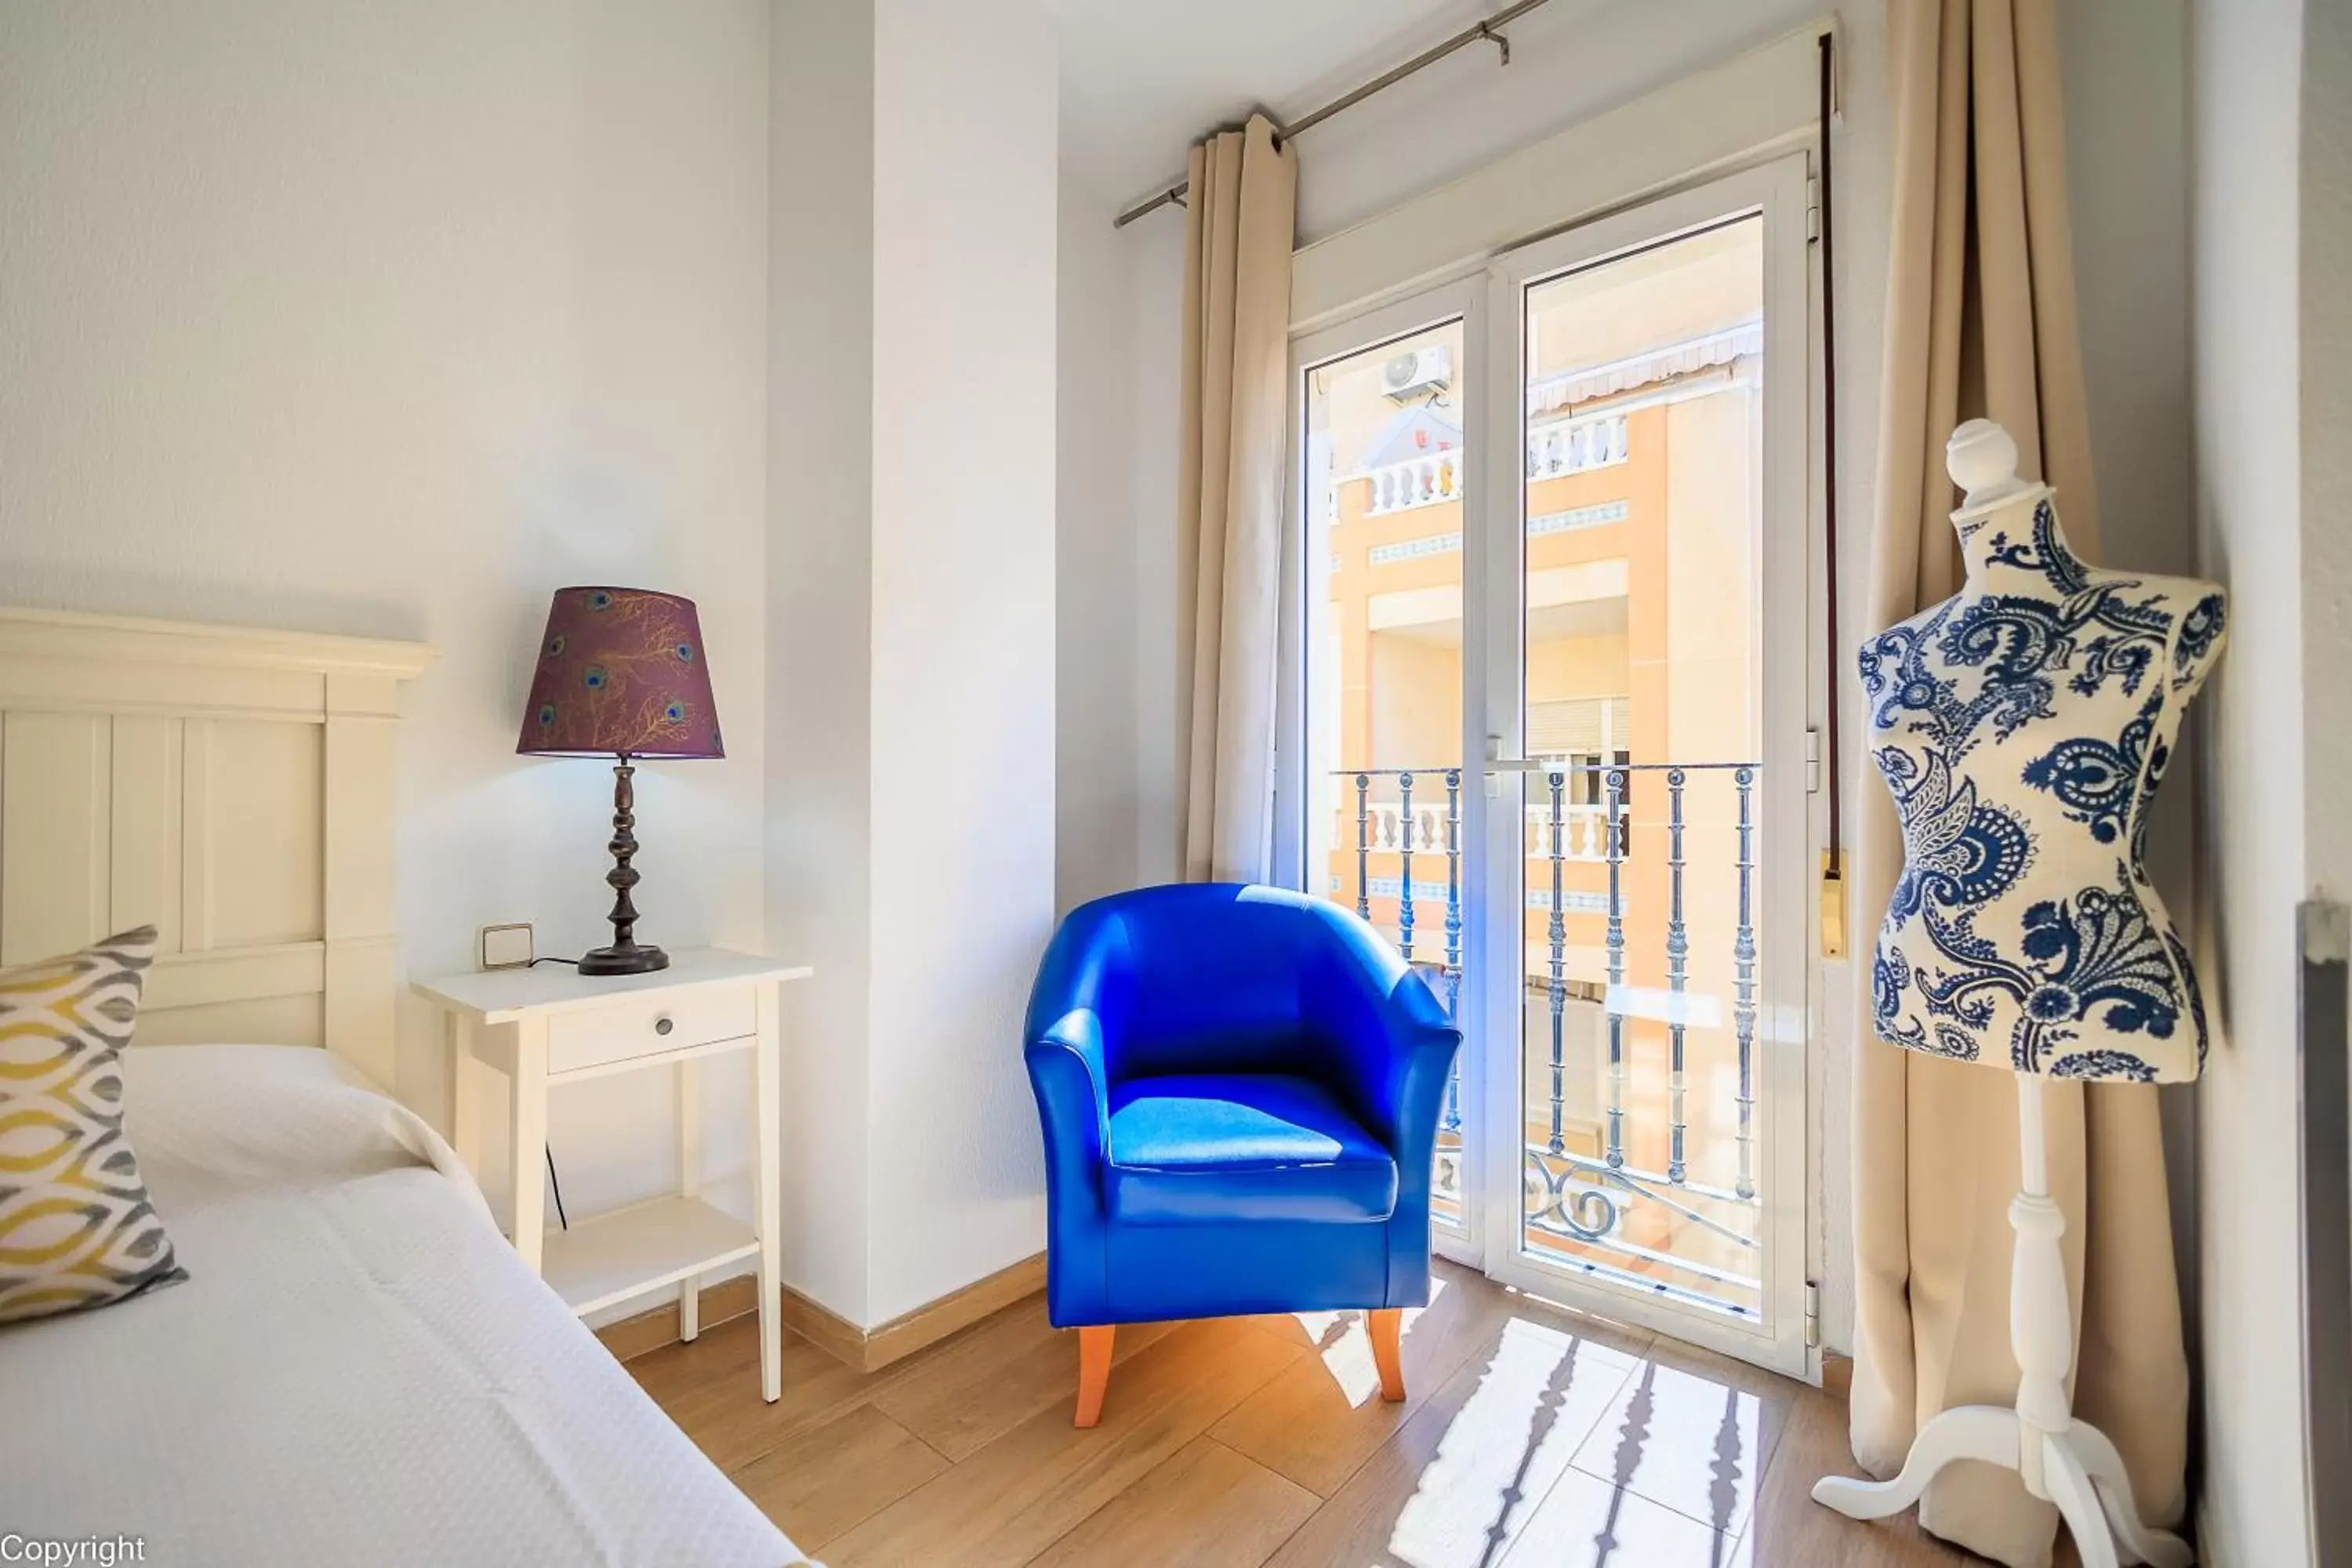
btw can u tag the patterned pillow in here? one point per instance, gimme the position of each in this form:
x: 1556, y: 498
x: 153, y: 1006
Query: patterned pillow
x: 75, y: 1228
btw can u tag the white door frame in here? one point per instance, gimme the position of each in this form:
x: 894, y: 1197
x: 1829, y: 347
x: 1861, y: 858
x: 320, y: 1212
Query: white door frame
x: 1775, y: 191
x: 1485, y: 301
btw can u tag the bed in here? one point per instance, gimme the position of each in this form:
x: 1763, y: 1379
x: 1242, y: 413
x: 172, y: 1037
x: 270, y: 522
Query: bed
x: 358, y: 1370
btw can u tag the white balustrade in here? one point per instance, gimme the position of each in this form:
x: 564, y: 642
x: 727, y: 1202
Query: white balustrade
x: 1387, y: 823
x: 1428, y: 479
x: 1575, y: 445
x: 1434, y: 479
x: 1583, y: 833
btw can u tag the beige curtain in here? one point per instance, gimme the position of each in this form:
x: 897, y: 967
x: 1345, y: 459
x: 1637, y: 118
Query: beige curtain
x: 1237, y: 236
x: 1981, y: 320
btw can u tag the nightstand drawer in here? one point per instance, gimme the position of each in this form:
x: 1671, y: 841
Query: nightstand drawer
x: 622, y: 1030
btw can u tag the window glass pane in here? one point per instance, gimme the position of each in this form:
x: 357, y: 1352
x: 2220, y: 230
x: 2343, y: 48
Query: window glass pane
x: 1383, y: 470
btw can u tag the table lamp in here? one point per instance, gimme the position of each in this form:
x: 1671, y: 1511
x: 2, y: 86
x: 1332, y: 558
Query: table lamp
x: 621, y: 674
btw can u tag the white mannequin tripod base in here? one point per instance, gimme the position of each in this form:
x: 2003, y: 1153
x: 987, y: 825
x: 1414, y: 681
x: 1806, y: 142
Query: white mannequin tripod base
x: 2084, y: 1472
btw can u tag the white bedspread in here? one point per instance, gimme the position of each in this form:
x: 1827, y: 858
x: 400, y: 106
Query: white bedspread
x: 358, y: 1370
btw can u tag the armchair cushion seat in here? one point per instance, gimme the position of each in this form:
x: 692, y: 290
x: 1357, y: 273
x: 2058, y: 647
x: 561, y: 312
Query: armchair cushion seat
x: 1224, y: 1146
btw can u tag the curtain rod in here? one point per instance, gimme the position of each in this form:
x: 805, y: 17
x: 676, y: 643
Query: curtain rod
x: 1482, y: 33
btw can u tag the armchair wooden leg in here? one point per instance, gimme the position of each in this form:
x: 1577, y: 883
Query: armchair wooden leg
x: 1386, y: 1324
x: 1094, y: 1371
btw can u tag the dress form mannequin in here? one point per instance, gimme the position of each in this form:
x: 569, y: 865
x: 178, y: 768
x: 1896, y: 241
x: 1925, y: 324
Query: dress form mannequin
x: 2023, y: 725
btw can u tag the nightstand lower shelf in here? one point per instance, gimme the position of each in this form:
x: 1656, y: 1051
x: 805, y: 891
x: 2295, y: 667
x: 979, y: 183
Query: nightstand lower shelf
x: 642, y: 1248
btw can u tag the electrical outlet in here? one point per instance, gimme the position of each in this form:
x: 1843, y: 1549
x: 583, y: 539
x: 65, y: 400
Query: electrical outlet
x: 508, y: 946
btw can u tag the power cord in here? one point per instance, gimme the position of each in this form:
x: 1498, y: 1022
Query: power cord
x: 560, y: 1218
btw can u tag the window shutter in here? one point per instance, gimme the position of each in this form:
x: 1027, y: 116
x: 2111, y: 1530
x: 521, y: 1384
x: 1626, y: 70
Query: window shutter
x: 1589, y: 726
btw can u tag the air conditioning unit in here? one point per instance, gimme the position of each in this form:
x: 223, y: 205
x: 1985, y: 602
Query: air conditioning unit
x: 1417, y: 371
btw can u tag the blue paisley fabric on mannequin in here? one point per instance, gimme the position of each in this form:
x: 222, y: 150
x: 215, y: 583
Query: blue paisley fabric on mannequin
x: 2023, y: 725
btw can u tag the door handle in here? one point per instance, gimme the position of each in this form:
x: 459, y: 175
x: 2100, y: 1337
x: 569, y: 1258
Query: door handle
x: 1497, y: 765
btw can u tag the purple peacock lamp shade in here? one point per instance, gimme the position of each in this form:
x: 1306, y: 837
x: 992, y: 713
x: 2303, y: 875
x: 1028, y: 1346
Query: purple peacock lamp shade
x: 621, y: 672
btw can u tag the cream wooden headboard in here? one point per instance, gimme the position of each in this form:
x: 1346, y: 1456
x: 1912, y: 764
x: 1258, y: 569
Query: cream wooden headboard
x: 232, y: 786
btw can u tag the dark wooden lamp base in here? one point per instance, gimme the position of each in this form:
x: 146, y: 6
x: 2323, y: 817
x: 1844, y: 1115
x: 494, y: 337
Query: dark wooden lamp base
x: 626, y: 955
x: 637, y: 958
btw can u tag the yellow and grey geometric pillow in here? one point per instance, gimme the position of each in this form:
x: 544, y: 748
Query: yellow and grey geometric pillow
x: 76, y: 1227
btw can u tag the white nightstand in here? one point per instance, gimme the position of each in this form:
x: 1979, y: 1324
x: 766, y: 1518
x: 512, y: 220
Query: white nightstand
x: 553, y: 1025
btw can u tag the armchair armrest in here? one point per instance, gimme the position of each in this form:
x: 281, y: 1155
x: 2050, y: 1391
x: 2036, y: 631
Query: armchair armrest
x: 1065, y: 1069
x: 1077, y: 1004
x: 1079, y: 996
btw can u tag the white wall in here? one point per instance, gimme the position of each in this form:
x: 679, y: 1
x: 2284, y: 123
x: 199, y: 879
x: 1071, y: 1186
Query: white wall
x: 1117, y: 560
x: 389, y: 320
x: 1156, y: 264
x: 819, y: 629
x: 1569, y: 63
x: 963, y: 642
x: 2250, y: 534
x: 911, y: 789
x: 1095, y: 849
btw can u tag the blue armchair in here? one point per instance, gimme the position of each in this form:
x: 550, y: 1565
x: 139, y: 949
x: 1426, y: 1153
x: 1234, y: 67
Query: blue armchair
x: 1240, y: 1089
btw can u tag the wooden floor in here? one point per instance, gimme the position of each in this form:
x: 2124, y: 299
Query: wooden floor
x: 1532, y: 1439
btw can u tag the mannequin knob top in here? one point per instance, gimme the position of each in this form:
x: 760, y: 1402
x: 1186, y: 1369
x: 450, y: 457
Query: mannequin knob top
x: 1981, y: 457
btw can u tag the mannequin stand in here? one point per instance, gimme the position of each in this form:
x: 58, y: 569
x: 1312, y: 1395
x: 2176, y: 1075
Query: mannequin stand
x: 2062, y: 1460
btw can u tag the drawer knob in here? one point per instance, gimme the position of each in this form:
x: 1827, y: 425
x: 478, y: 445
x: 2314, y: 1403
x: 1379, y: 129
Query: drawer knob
x: 663, y: 1026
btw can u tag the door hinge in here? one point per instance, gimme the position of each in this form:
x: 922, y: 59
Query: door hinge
x: 1813, y: 1314
x: 1812, y: 208
x: 1813, y: 761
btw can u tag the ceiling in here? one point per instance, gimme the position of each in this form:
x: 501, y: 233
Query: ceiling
x: 1141, y: 79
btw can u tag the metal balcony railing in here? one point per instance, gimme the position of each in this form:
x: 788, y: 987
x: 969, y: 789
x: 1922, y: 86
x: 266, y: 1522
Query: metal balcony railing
x: 1570, y: 1195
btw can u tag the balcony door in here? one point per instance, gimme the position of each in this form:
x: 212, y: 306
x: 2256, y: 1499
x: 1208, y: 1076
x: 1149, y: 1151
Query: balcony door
x: 1545, y: 713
